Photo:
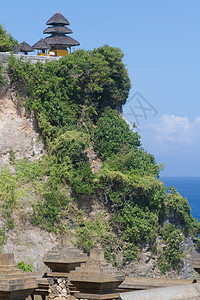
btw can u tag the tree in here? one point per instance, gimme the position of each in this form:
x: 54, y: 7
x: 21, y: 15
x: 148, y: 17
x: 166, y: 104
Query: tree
x: 116, y: 90
x: 7, y: 42
x: 113, y: 133
x: 100, y: 75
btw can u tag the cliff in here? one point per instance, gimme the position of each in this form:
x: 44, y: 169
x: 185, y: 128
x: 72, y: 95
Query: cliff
x: 71, y: 165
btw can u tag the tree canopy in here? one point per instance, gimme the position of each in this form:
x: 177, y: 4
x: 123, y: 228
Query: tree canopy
x: 7, y: 41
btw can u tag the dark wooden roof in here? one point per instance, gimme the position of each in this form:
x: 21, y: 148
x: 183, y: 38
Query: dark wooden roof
x: 24, y: 47
x: 41, y: 45
x: 58, y: 29
x: 61, y: 40
x: 57, y: 18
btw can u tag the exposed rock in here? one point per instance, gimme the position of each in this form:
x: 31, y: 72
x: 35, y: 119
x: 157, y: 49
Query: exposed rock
x: 18, y: 134
x: 143, y: 266
x: 59, y: 289
x: 95, y: 161
x: 30, y: 245
x: 191, y: 254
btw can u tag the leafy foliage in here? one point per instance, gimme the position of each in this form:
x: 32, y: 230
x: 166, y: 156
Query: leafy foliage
x: 53, y: 200
x: 116, y: 90
x: 60, y: 92
x: 93, y: 232
x: 26, y: 267
x: 7, y: 42
x: 112, y: 134
x: 2, y: 80
x: 180, y: 211
x: 8, y: 198
x: 171, y: 257
x: 2, y: 237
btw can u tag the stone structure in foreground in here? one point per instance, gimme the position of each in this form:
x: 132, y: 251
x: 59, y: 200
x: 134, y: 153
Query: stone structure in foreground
x: 74, y: 275
x: 61, y: 261
x: 14, y: 283
x: 96, y: 279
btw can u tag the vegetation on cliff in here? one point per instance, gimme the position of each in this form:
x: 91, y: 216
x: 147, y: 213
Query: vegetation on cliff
x: 7, y: 41
x: 75, y: 101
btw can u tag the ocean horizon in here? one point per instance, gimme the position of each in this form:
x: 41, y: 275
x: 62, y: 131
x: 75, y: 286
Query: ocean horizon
x: 188, y: 187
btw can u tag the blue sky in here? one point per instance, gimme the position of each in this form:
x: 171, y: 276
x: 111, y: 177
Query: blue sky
x: 161, y: 45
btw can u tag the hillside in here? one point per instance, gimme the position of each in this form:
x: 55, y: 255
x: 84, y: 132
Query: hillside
x: 71, y: 165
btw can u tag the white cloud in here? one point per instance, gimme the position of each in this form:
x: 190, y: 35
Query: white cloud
x: 171, y: 129
x: 174, y: 141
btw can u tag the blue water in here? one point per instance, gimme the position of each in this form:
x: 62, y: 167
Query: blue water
x: 188, y: 187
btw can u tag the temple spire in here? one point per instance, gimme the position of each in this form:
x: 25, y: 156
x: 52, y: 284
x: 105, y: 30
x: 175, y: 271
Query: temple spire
x: 58, y: 40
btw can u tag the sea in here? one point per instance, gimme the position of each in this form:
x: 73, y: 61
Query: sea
x: 188, y: 187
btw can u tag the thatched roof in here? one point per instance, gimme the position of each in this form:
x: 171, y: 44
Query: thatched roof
x: 57, y: 18
x: 16, y: 49
x: 24, y: 47
x: 67, y: 41
x: 41, y: 45
x: 58, y: 29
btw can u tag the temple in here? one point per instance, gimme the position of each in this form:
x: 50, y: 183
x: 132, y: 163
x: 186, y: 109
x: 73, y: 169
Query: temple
x: 59, y: 41
x: 41, y: 45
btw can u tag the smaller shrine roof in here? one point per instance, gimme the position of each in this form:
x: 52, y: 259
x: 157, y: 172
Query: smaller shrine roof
x: 41, y: 45
x: 58, y: 29
x: 25, y: 47
x: 57, y: 18
x: 16, y: 49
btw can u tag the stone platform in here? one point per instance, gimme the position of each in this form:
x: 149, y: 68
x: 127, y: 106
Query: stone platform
x: 96, y: 279
x: 14, y: 283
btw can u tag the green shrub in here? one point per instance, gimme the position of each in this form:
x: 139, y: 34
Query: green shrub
x: 26, y: 267
x: 48, y: 211
x: 7, y: 42
x: 112, y: 134
x: 2, y: 237
x: 180, y: 209
x: 8, y: 195
x: 171, y: 256
x: 68, y: 150
x: 95, y: 232
x: 2, y: 79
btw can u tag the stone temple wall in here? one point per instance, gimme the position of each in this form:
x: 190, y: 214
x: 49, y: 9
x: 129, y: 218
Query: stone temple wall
x: 32, y: 58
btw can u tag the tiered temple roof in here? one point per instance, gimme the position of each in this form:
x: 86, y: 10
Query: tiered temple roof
x: 58, y: 31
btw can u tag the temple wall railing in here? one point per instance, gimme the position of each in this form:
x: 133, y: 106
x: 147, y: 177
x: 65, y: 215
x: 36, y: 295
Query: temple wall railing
x: 32, y: 58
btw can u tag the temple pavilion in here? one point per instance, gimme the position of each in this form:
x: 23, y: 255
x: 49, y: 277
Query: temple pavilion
x: 59, y: 41
x: 25, y: 48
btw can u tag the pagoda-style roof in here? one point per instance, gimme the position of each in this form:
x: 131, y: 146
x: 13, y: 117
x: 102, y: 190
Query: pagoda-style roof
x: 57, y: 29
x: 41, y: 45
x: 57, y: 18
x: 59, y: 33
x: 25, y: 47
x: 62, y: 40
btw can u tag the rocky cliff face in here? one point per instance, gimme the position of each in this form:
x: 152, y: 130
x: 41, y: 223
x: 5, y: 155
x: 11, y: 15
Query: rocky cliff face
x: 19, y: 137
x: 17, y: 132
